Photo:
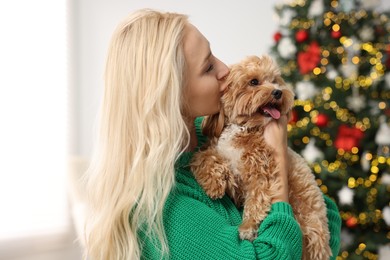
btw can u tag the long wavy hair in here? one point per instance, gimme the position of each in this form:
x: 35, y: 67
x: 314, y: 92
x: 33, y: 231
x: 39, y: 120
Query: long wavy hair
x: 142, y: 131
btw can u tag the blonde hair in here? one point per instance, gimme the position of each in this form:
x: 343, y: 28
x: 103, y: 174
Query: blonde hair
x: 141, y: 135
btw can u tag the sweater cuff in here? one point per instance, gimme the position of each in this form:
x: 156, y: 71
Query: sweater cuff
x: 334, y: 224
x: 279, y: 235
x: 282, y: 207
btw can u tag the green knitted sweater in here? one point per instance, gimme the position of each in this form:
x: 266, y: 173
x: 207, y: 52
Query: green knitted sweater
x: 198, y: 227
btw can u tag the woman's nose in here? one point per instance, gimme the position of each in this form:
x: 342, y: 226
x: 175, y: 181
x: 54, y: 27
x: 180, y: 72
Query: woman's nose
x: 223, y: 71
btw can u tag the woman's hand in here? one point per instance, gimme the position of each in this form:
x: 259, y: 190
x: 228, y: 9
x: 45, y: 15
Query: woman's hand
x: 275, y: 135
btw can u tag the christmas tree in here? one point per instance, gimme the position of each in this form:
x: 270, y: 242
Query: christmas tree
x: 336, y: 56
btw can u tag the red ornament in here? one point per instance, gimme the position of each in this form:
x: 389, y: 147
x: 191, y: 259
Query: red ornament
x: 293, y: 117
x: 321, y: 120
x: 388, y: 56
x: 301, y: 36
x: 348, y: 137
x: 351, y: 222
x: 309, y: 59
x: 335, y: 34
x: 387, y: 112
x: 277, y: 36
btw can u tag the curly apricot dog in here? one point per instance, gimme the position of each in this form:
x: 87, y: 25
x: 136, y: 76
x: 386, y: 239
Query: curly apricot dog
x: 238, y: 161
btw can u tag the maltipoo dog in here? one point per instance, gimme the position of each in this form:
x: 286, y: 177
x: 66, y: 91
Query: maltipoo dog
x: 237, y: 160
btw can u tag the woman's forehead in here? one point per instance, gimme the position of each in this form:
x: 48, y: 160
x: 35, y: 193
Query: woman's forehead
x: 196, y: 46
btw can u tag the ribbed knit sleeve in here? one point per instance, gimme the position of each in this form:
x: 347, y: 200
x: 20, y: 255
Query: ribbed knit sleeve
x: 200, y: 228
x: 279, y: 235
x: 334, y: 224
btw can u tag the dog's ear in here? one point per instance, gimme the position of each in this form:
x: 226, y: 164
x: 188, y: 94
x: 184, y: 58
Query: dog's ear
x: 212, y: 126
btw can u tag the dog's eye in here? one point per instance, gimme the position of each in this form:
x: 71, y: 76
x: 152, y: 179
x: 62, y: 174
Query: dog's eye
x: 254, y: 82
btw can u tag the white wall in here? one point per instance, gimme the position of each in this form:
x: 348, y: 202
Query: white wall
x: 234, y: 28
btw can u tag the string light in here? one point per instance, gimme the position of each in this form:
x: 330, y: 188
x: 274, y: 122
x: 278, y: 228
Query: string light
x: 317, y: 71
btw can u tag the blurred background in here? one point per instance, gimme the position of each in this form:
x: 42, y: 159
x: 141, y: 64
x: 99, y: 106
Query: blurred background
x: 52, y: 57
x: 336, y: 56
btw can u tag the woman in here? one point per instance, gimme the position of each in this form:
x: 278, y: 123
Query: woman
x: 161, y: 78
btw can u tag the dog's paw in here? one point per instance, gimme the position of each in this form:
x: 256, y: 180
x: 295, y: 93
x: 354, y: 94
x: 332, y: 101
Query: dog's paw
x: 213, y: 181
x: 247, y: 232
x: 215, y: 186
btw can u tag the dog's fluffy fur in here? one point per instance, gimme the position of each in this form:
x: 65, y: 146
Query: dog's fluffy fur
x: 238, y: 161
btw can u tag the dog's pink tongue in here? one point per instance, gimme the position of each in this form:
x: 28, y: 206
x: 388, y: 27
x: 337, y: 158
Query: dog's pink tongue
x: 273, y: 112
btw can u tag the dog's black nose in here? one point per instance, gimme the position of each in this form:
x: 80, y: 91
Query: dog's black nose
x: 277, y: 93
